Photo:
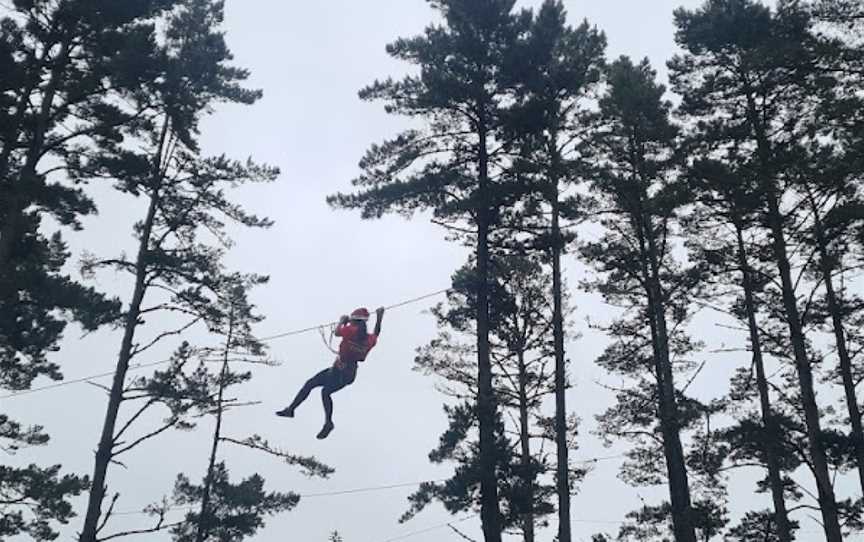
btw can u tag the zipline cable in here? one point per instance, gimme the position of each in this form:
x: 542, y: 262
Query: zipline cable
x: 328, y: 324
x: 430, y: 529
x: 133, y: 367
x: 395, y: 539
x: 139, y: 366
x: 368, y: 489
x: 302, y: 496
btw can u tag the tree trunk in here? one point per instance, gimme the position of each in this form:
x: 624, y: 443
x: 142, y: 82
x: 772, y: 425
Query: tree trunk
x: 562, y: 448
x: 104, y: 452
x: 835, y: 311
x: 490, y: 513
x: 203, y: 527
x: 827, y: 500
x: 525, y: 450
x: 676, y: 468
x: 775, y: 480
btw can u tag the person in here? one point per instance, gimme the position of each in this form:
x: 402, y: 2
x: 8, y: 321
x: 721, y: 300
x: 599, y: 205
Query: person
x: 355, y: 346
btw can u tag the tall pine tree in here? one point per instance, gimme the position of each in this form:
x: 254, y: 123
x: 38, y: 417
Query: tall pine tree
x: 741, y: 75
x: 65, y: 65
x: 181, y: 238
x: 453, y: 164
x: 728, y: 204
x: 556, y: 69
x: 636, y: 200
x: 522, y: 351
x: 226, y: 511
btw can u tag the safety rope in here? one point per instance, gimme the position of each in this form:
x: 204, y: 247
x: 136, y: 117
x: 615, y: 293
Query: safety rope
x: 328, y: 340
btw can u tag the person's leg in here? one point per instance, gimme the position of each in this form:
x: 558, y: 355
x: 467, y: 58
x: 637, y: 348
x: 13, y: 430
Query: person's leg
x: 319, y: 379
x: 327, y: 400
x: 338, y: 380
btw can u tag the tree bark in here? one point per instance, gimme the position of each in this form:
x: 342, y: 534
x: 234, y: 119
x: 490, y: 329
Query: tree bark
x: 104, y: 452
x: 676, y: 468
x: 525, y: 449
x: 203, y: 515
x: 561, y: 444
x: 490, y: 513
x: 775, y: 480
x: 827, y: 500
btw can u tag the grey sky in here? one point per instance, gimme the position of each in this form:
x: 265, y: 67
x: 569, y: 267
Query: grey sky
x: 311, y: 58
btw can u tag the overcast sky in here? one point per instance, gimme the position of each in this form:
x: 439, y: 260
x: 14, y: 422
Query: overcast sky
x: 311, y: 58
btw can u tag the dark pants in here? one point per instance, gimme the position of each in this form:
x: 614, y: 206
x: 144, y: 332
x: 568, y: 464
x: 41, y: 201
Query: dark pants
x: 330, y: 381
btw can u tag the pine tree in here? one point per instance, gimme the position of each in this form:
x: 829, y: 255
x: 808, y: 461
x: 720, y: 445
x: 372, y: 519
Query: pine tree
x: 181, y: 239
x: 828, y: 184
x: 33, y: 497
x: 522, y: 352
x: 229, y: 511
x: 64, y: 66
x: 556, y: 69
x: 453, y: 164
x: 636, y: 202
x: 755, y: 527
x: 728, y: 203
x: 844, y: 15
x: 743, y: 75
x: 836, y: 206
x: 180, y: 393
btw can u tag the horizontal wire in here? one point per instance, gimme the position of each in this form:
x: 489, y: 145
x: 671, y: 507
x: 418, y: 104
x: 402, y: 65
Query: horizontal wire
x: 155, y: 363
x: 309, y: 495
x: 353, y: 491
x: 134, y: 367
x: 430, y: 529
x: 369, y: 489
x: 302, y: 496
x: 319, y: 326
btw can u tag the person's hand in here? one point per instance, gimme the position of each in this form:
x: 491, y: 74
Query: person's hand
x: 379, y: 311
x: 343, y: 319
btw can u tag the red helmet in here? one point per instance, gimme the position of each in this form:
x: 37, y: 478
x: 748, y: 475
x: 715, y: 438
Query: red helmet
x: 360, y: 314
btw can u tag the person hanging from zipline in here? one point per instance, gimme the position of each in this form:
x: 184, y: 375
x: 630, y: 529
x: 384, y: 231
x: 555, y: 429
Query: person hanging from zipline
x: 355, y: 346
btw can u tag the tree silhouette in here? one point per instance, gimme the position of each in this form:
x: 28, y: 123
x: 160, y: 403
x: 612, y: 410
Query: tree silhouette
x: 453, y: 165
x: 229, y: 511
x: 182, y: 237
x: 636, y: 200
x: 744, y: 75
x: 556, y: 69
x: 523, y: 375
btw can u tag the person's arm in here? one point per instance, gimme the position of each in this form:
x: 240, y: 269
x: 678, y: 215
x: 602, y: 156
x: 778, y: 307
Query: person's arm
x: 343, y: 320
x: 379, y: 316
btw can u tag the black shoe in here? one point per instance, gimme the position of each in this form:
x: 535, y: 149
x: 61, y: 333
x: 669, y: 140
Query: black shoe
x: 286, y: 413
x: 325, y: 431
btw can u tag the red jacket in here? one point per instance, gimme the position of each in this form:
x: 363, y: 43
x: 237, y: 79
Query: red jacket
x: 350, y: 350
